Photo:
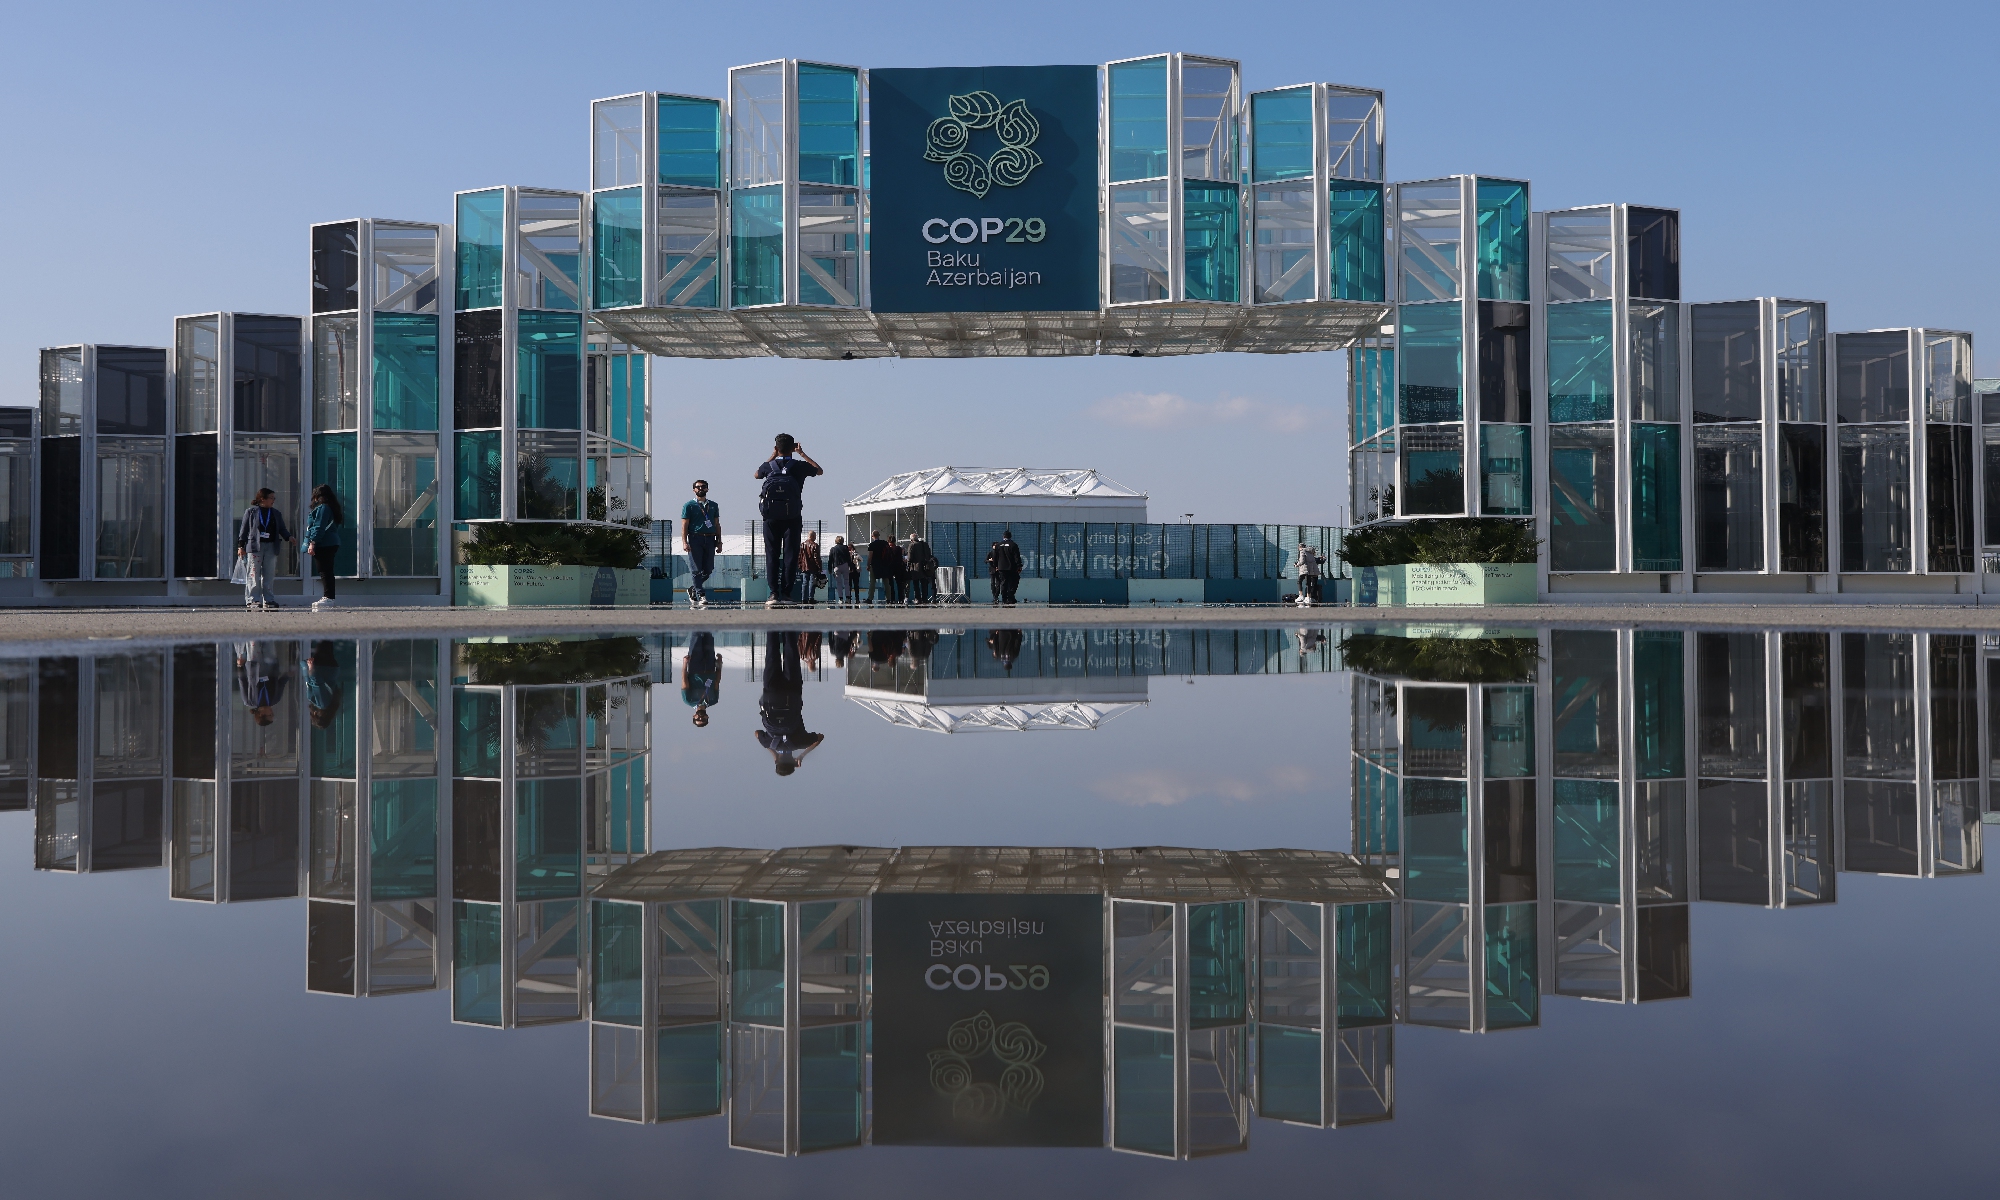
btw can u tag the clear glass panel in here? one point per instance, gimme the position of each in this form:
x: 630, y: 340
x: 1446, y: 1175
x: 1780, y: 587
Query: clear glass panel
x: 757, y: 962
x: 1954, y: 706
x: 1371, y: 388
x: 1580, y: 259
x: 1730, y: 705
x: 550, y: 477
x: 1728, y: 371
x: 1655, y: 361
x: 1809, y: 842
x: 476, y: 477
x: 475, y: 953
x: 192, y: 845
x: 1427, y: 232
x: 1948, y: 378
x: 1356, y: 243
x: 1729, y: 497
x: 482, y: 234
x: 1659, y: 823
x: 690, y: 142
x: 1434, y: 731
x: 336, y: 267
x: 330, y: 861
x: 1289, y: 963
x: 617, y: 962
x: 1503, y: 240
x: 549, y: 371
x: 1656, y: 497
x: 1802, y: 498
x: 1581, y: 362
x: 1140, y: 224
x: 1435, y: 840
x: 198, y: 374
x: 1138, y: 119
x: 1582, y: 498
x: 1585, y: 702
x: 1142, y: 1090
x: 832, y: 978
x: 266, y: 728
x: 548, y: 839
x: 1948, y: 536
x: 62, y: 393
x: 405, y: 259
x: 757, y: 125
x: 403, y: 723
x: 1433, y: 470
x: 1873, y: 376
x: 829, y: 125
x: 406, y: 371
x: 336, y: 373
x: 618, y: 255
x: 1732, y: 826
x: 1875, y: 498
x: 1879, y: 705
x: 1801, y: 347
x: 757, y: 1102
x: 1208, y: 120
x: 1806, y: 701
x: 17, y: 498
x: 1354, y: 134
x: 829, y: 246
x: 1653, y: 253
x: 131, y: 508
x: 690, y: 239
x: 271, y: 462
x: 1281, y: 134
x: 1284, y: 253
x: 1505, y: 482
x: 1509, y: 726
x: 690, y: 958
x: 1142, y: 957
x: 406, y: 510
x: 1431, y: 342
x: 1882, y: 824
x: 1513, y: 967
x: 1373, y: 474
x: 549, y: 252
x: 617, y: 141
x: 1209, y: 215
x: 131, y: 390
x: 757, y: 247
x: 1955, y: 830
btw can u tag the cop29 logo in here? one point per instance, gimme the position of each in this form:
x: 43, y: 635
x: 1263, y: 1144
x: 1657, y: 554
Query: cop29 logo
x: 949, y: 141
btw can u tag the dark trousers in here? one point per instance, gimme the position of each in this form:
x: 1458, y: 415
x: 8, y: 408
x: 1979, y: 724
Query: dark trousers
x: 1007, y: 581
x: 781, y: 555
x: 701, y: 564
x: 323, y: 563
x: 923, y: 583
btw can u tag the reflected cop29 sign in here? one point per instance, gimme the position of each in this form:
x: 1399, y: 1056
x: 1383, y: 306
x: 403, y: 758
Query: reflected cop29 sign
x: 989, y: 1020
x: 983, y: 189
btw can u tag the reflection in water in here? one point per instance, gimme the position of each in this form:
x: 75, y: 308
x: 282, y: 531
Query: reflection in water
x: 1532, y: 814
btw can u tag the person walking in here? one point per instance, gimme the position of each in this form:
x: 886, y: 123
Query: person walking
x: 257, y: 538
x: 809, y: 569
x: 993, y: 572
x: 1309, y: 566
x: 322, y: 539
x: 701, y: 533
x: 840, y: 567
x: 923, y: 569
x: 878, y: 568
x: 782, y: 505
x: 1007, y: 566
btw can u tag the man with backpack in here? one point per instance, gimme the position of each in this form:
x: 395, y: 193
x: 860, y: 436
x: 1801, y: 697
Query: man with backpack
x: 782, y: 505
x: 1006, y: 561
x: 922, y: 570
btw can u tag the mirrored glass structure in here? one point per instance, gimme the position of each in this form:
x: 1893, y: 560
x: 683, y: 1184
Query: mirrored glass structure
x: 99, y: 763
x: 20, y: 433
x: 242, y: 729
x: 104, y: 470
x: 1986, y: 396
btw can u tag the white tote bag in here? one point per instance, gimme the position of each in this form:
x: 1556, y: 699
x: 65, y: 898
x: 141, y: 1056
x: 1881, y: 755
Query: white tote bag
x: 241, y: 575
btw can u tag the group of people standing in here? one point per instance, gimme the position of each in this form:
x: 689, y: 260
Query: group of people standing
x: 262, y: 531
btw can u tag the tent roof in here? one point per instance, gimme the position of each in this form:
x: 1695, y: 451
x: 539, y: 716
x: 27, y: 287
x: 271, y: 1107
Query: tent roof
x: 1026, y: 483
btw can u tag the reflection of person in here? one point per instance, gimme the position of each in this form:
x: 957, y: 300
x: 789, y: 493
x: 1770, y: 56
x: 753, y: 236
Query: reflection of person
x: 992, y: 573
x: 257, y: 538
x: 842, y: 645
x: 809, y: 650
x: 1005, y: 645
x: 701, y: 533
x: 885, y: 646
x: 782, y: 505
x: 259, y: 679
x: 1006, y: 560
x: 322, y: 685
x: 783, y: 705
x: 701, y: 676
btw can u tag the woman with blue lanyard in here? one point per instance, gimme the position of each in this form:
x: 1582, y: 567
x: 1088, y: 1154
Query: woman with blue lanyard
x: 257, y: 538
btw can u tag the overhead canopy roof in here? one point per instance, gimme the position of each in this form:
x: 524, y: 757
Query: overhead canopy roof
x: 1016, y: 484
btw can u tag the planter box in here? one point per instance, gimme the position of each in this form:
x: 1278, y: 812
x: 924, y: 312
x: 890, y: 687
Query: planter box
x: 516, y: 587
x: 1418, y: 584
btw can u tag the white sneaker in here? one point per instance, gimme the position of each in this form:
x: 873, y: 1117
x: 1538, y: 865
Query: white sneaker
x: 771, y: 603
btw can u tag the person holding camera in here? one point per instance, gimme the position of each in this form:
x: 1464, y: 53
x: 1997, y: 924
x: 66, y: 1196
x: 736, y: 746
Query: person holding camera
x: 782, y: 505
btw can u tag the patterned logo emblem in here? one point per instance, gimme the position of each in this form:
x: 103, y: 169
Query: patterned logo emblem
x: 968, y: 1044
x: 949, y: 141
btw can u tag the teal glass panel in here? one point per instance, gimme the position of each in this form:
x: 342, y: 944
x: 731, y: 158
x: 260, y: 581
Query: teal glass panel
x: 757, y: 246
x: 1218, y: 986
x: 475, y: 963
x: 757, y: 962
x: 638, y: 416
x: 1138, y: 119
x: 690, y: 1071
x: 1281, y: 135
x: 1582, y: 516
x: 690, y: 133
x: 482, y: 237
x: 1143, y: 1083
x: 336, y: 462
x: 1434, y: 731
x: 1587, y: 840
x: 1585, y: 702
x: 1378, y: 821
x: 475, y: 733
x: 618, y: 253
x: 1214, y: 247
x: 1510, y: 732
x: 550, y: 477
x: 1357, y: 244
x: 829, y: 125
x: 621, y: 393
x: 1513, y: 971
x: 548, y: 839
x: 406, y: 371
x: 617, y: 962
x: 1288, y: 1074
x: 1431, y: 372
x: 476, y: 481
x: 1434, y: 826
x: 1371, y: 390
x: 1659, y: 680
x: 1364, y: 979
x: 330, y: 694
x: 829, y: 1087
x: 402, y: 839
x: 1656, y: 497
x: 1580, y: 361
x: 1505, y: 480
x: 549, y: 371
x: 1503, y: 240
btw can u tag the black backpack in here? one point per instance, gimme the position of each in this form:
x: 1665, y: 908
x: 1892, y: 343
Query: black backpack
x: 783, y: 496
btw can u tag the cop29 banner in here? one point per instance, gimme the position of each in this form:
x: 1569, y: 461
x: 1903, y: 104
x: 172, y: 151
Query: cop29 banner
x: 983, y: 189
x: 989, y: 1020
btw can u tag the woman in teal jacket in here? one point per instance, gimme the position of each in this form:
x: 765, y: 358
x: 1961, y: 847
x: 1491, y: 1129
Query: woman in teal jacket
x: 322, y: 539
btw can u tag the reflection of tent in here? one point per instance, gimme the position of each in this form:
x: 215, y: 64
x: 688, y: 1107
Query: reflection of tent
x: 1018, y: 718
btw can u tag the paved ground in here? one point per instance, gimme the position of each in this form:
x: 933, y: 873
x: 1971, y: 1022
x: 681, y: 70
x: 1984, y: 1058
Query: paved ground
x: 66, y: 625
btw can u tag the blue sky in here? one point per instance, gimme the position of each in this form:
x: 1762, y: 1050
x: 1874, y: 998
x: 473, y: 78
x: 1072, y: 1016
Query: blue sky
x: 167, y: 159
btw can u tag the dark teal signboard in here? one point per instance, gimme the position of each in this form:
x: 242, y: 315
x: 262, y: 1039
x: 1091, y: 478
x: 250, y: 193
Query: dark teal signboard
x: 983, y: 189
